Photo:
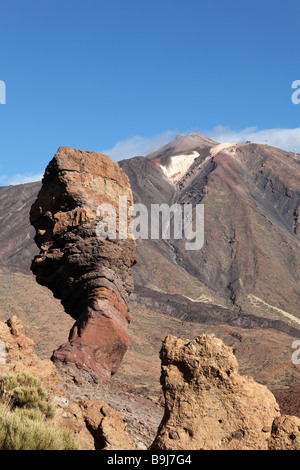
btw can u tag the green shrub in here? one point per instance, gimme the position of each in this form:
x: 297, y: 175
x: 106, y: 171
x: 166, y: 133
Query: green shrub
x: 18, y: 431
x: 24, y: 410
x: 20, y: 377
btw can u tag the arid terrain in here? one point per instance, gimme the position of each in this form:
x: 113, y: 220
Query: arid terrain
x: 243, y: 285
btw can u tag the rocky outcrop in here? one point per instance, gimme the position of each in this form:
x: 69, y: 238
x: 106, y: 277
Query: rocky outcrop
x: 285, y: 433
x: 208, y: 405
x: 94, y: 425
x: 106, y: 426
x: 91, y: 275
x: 17, y: 353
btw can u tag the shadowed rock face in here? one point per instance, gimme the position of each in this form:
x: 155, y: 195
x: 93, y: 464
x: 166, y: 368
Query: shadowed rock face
x: 91, y: 276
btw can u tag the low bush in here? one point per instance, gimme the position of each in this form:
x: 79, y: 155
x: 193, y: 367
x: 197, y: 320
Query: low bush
x: 25, y: 391
x: 21, y: 430
x: 24, y: 411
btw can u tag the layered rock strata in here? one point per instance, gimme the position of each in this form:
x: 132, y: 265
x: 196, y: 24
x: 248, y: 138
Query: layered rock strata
x: 90, y: 274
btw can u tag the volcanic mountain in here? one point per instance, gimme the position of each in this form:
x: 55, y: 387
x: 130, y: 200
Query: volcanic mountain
x: 251, y: 195
x: 249, y: 267
x: 243, y: 285
x: 17, y: 247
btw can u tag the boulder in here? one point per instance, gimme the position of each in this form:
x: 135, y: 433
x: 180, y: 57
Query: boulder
x: 106, y: 426
x: 285, y: 433
x: 208, y: 405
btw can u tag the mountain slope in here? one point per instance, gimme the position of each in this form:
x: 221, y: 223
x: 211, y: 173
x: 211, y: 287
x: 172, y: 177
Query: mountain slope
x: 250, y: 261
x: 17, y: 247
x: 263, y: 352
x: 243, y: 285
x: 251, y: 196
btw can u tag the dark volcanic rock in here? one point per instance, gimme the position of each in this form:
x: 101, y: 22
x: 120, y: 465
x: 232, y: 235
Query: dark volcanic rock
x: 16, y: 234
x: 209, y: 314
x: 91, y: 276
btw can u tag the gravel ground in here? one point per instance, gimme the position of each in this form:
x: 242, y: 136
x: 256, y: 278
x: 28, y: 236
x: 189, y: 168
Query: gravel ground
x: 141, y: 415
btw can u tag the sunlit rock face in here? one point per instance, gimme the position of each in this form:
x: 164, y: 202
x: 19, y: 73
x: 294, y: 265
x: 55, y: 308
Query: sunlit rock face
x: 208, y: 404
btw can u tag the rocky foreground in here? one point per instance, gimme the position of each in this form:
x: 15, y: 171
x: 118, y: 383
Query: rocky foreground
x: 208, y: 405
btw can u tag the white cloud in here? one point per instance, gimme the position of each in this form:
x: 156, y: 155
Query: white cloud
x: 20, y: 178
x: 139, y: 146
x: 286, y: 139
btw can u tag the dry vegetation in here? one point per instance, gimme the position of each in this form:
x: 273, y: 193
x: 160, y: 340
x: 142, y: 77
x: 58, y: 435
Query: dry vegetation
x: 25, y: 413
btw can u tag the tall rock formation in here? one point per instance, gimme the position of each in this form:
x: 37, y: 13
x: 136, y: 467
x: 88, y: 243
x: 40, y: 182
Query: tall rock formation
x: 91, y: 275
x: 208, y: 405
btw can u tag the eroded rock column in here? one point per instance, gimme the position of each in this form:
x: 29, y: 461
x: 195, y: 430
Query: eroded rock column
x: 91, y: 275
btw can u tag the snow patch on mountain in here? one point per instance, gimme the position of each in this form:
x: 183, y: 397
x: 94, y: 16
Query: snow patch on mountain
x: 178, y: 166
x: 221, y: 147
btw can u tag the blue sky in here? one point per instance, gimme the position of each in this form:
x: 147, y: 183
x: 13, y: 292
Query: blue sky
x: 125, y: 76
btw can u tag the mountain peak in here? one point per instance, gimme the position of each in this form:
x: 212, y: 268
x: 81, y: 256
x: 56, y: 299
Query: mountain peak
x: 183, y: 144
x: 195, y: 137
